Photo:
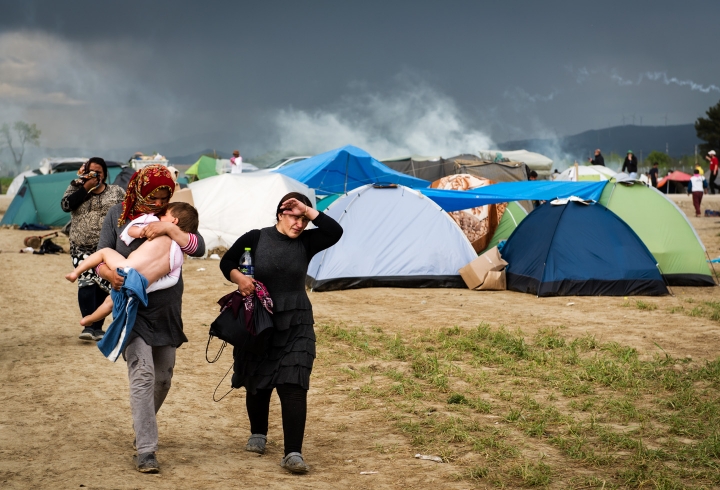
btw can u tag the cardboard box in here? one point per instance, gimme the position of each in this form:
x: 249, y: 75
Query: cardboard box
x: 475, y: 272
x: 494, y: 281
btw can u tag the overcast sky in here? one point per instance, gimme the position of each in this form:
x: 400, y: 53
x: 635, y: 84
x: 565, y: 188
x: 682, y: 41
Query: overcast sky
x: 394, y: 77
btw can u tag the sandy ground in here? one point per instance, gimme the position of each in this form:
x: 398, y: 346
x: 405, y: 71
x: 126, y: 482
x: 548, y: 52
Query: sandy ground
x: 65, y: 418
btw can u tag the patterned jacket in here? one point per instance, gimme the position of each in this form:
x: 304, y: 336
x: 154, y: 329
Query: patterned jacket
x: 88, y: 211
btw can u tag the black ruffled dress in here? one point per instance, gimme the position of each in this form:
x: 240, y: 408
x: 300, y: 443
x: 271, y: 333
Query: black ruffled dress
x: 281, y: 264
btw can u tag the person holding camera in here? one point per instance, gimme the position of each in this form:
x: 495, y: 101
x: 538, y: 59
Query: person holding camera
x: 88, y: 199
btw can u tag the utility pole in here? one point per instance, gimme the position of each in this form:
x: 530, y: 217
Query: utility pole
x: 623, y: 119
x: 665, y: 119
x: 667, y: 149
x: 633, y: 118
x: 696, y: 155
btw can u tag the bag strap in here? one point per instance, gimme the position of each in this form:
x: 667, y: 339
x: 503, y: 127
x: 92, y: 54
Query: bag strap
x: 219, y: 353
x: 218, y: 386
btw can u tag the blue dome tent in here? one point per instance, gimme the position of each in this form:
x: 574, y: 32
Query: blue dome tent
x: 572, y: 248
x: 392, y: 237
x: 344, y: 169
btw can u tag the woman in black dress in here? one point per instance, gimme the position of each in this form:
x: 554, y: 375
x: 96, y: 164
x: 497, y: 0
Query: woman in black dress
x: 281, y: 255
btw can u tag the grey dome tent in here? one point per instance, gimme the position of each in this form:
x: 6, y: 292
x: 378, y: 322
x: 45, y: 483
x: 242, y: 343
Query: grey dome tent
x: 392, y: 237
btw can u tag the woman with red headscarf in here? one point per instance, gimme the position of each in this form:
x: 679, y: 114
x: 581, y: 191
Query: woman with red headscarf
x: 158, y: 329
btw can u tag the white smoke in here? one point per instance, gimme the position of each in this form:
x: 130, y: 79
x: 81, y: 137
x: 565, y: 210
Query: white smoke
x: 662, y: 77
x: 582, y: 74
x: 413, y: 121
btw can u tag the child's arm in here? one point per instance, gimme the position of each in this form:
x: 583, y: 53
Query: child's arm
x: 135, y: 231
x: 153, y: 230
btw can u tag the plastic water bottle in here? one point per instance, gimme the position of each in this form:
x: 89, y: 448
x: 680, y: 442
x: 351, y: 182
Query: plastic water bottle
x: 246, y: 265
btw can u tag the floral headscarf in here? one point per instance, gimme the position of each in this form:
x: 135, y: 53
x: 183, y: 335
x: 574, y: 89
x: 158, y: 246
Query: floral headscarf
x: 143, y: 183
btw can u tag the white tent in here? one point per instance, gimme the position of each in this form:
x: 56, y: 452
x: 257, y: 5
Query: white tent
x: 231, y: 205
x: 578, y: 173
x: 17, y: 182
x: 540, y: 163
x: 392, y: 237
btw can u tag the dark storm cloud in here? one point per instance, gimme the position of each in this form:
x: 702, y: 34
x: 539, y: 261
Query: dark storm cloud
x: 512, y: 69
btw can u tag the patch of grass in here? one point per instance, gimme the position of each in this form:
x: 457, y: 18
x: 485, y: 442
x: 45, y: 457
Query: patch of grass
x: 641, y: 305
x: 533, y: 474
x: 614, y: 418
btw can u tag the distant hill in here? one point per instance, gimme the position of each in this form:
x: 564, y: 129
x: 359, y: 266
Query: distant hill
x: 679, y: 140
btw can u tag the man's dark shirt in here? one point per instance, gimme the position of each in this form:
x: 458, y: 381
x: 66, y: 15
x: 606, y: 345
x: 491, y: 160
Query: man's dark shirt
x: 654, y: 176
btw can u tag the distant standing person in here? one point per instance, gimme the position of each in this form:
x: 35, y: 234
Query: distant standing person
x: 630, y: 164
x: 696, y: 187
x: 713, y: 170
x: 88, y: 199
x: 236, y: 163
x: 654, y: 175
x: 599, y: 159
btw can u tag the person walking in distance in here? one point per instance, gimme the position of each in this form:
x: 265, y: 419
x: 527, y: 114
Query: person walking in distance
x: 712, y: 158
x: 696, y: 187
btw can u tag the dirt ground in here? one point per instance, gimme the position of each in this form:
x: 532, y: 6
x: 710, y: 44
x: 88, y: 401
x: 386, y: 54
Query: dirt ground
x: 64, y: 411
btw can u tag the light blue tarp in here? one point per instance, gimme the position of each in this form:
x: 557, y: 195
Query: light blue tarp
x: 513, y: 191
x: 344, y: 169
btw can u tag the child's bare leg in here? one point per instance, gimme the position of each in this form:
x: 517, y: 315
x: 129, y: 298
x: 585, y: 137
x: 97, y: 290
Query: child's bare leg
x: 102, y: 311
x: 112, y: 258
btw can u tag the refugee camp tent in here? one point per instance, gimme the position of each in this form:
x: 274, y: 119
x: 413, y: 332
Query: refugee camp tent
x: 231, y: 205
x: 664, y: 229
x: 488, y: 169
x: 535, y: 161
x: 567, y: 247
x: 51, y: 165
x: 344, y: 169
x: 478, y: 223
x: 17, y: 182
x: 585, y: 173
x: 208, y: 166
x: 392, y: 237
x: 326, y: 201
x: 426, y: 168
x: 203, y: 168
x: 674, y: 183
x: 511, y: 218
x: 38, y: 199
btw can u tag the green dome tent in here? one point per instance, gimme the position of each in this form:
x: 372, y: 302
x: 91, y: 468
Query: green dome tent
x: 513, y: 215
x: 203, y: 168
x: 663, y: 228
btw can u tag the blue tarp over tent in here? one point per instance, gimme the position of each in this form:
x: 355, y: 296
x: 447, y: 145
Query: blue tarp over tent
x: 513, y: 191
x: 576, y: 249
x: 344, y: 169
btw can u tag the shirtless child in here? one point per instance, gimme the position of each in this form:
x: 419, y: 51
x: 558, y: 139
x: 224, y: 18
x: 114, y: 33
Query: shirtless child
x: 158, y: 260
